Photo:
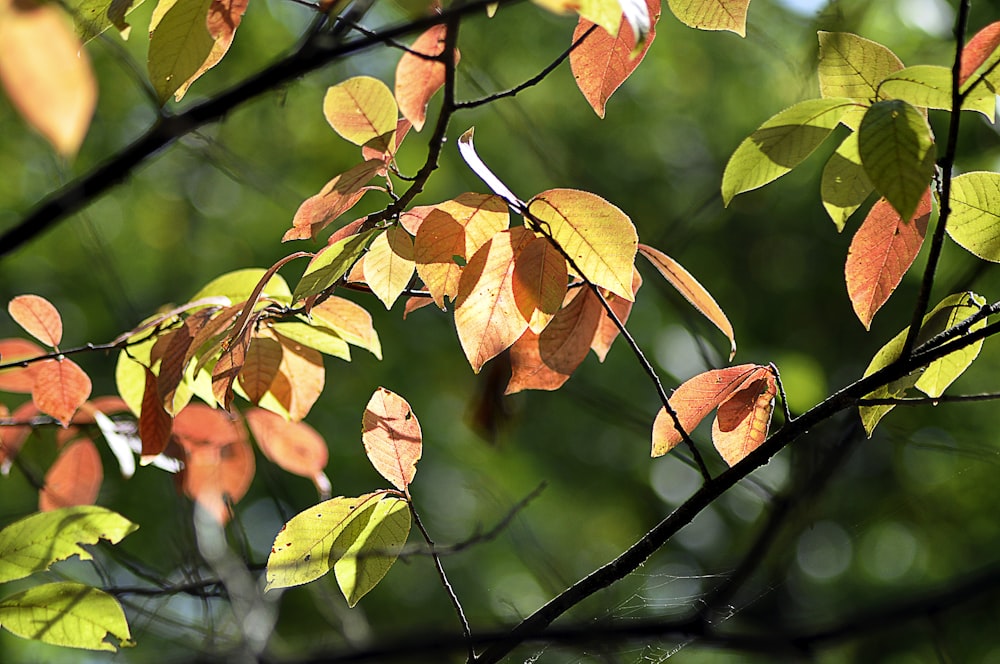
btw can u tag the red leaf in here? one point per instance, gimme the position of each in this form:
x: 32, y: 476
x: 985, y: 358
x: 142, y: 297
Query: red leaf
x: 742, y: 421
x: 979, y: 49
x: 392, y: 439
x: 38, y: 317
x: 75, y: 477
x: 337, y: 197
x: 602, y: 62
x: 880, y: 254
x: 154, y: 421
x: 607, y: 331
x: 229, y: 366
x: 175, y: 357
x: 295, y: 446
x: 19, y: 379
x: 417, y: 79
x: 60, y: 388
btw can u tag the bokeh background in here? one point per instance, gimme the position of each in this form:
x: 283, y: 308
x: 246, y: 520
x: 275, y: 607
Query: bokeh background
x: 906, y: 513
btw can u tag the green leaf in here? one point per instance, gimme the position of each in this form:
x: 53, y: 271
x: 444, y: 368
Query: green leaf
x: 363, y: 111
x: 322, y: 339
x: 781, y: 144
x: 34, y: 543
x: 92, y: 17
x: 851, y: 66
x: 897, y: 150
x: 728, y: 15
x: 368, y: 547
x: 331, y: 264
x: 179, y: 43
x: 239, y: 285
x: 975, y: 214
x: 949, y: 312
x: 844, y: 185
x: 130, y: 373
x: 929, y: 86
x: 66, y: 614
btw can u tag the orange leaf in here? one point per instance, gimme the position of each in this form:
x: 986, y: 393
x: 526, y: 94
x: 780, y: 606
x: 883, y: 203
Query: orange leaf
x: 607, y: 331
x: 60, y: 388
x: 218, y: 461
x: 369, y: 151
x: 979, y: 49
x: 539, y: 282
x: 335, y: 198
x: 486, y: 314
x: 46, y: 72
x: 742, y: 421
x: 392, y: 439
x: 300, y: 378
x: 388, y: 265
x: 417, y: 79
x: 603, y: 62
x: 175, y: 357
x: 414, y: 303
x: 228, y: 368
x: 224, y: 17
x: 154, y: 421
x: 696, y: 398
x: 260, y: 367
x: 349, y: 320
x: 294, y: 446
x: 19, y: 379
x: 363, y: 111
x: 881, y: 252
x: 38, y: 317
x: 75, y: 477
x: 546, y: 361
x: 692, y: 291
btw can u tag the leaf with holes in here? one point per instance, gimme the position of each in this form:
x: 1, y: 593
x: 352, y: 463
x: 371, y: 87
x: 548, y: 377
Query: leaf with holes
x: 391, y: 435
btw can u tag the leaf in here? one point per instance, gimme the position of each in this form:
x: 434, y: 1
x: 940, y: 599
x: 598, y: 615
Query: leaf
x: 941, y: 373
x: 294, y: 446
x: 417, y: 78
x: 229, y: 366
x: 697, y: 397
x: 239, y: 285
x: 781, y: 144
x: 175, y: 360
x: 598, y: 237
x: 389, y: 264
x: 692, y: 291
x: 728, y: 15
x: 38, y: 318
x: 486, y: 314
x: 929, y: 86
x: 545, y: 361
x: 604, y: 61
x: 331, y: 263
x: 349, y: 321
x: 74, y: 479
x: 34, y: 543
x: 605, y: 13
x: 607, y: 331
x: 975, y: 214
x: 742, y: 421
x: 260, y: 367
x: 851, y: 66
x: 224, y: 17
x: 539, y: 282
x: 368, y: 547
x: 46, y: 73
x: 897, y: 150
x: 322, y: 339
x: 179, y: 43
x: 335, y: 198
x: 66, y: 614
x: 363, y: 111
x: 844, y: 185
x: 92, y: 17
x: 881, y: 252
x: 19, y: 379
x: 980, y: 53
x: 61, y: 387
x: 299, y: 381
x: 385, y: 156
x: 458, y: 227
x: 14, y: 437
x: 391, y: 435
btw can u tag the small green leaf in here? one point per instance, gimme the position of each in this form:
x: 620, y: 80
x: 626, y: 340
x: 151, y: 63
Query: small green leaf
x: 851, y: 66
x: 897, y: 150
x: 92, y: 17
x: 975, y: 214
x: 781, y: 144
x: 67, y: 614
x: 130, y: 373
x: 35, y: 542
x: 929, y: 86
x: 844, y: 185
x: 367, y: 548
x: 331, y: 264
x: 322, y: 339
x: 239, y: 285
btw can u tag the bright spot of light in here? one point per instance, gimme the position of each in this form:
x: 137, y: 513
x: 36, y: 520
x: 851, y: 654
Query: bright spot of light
x: 935, y: 17
x: 804, y: 7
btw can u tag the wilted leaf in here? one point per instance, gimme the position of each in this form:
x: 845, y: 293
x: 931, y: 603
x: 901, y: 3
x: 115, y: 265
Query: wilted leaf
x: 335, y: 198
x: 389, y: 264
x: 391, y: 435
x: 179, y: 43
x: 742, y: 421
x: 728, y: 15
x: 66, y: 614
x: 975, y: 214
x: 607, y: 331
x: 417, y: 79
x: 366, y: 549
x: 331, y: 264
x: 539, y: 282
x: 851, y: 66
x: 881, y: 252
x: 61, y: 387
x: 350, y: 321
x: 19, y: 379
x: 844, y: 185
x: 363, y: 111
x: 294, y: 446
x: 74, y: 479
x: 38, y: 318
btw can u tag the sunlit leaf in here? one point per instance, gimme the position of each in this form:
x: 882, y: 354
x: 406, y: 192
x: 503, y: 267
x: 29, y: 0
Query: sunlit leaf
x: 331, y: 264
x: 539, y: 282
x: 781, y: 144
x: 224, y: 16
x: 61, y: 387
x: 605, y: 13
x: 179, y: 43
x: 844, y: 185
x: 260, y: 367
x: 294, y: 446
x: 607, y: 331
x: 363, y: 111
x: 92, y: 17
x: 366, y: 549
x: 66, y: 614
x: 851, y: 66
x: 742, y: 421
x: 728, y: 15
x: 979, y: 54
x: 975, y: 214
x: 391, y: 435
x: 350, y: 321
x: 299, y: 381
x: 389, y: 264
x: 385, y: 156
x: 74, y: 479
x: 417, y: 78
x: 335, y: 198
x: 929, y: 86
x: 318, y: 338
x: 130, y: 374
x: 19, y: 379
x: 238, y: 285
x: 229, y: 366
x: 38, y: 318
x: 14, y: 437
x: 881, y: 252
x: 467, y: 148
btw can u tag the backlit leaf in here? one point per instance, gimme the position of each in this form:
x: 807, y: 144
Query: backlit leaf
x: 417, y: 79
x: 300, y: 379
x: 389, y: 264
x: 742, y: 421
x: 92, y: 17
x: 366, y: 549
x: 607, y: 331
x: 897, y: 150
x: 260, y: 367
x: 363, y: 111
x: 851, y: 66
x: 294, y: 446
x: 335, y: 198
x: 929, y: 86
x: 391, y: 435
x: 19, y: 379
x: 38, y: 318
x: 34, y: 543
x: 130, y: 374
x: 350, y: 321
x: 66, y: 614
x: 980, y: 53
x: 781, y: 144
x: 605, y: 13
x: 539, y: 282
x: 229, y: 366
x: 385, y: 156
x: 46, y: 72
x: 467, y: 148
x: 318, y: 338
x: 61, y: 387
x: 844, y: 185
x: 728, y: 15
x: 239, y: 285
x: 155, y: 423
x: 74, y: 479
x: 597, y: 236
x: 881, y: 252
x: 174, y: 363
x: 692, y: 291
x: 179, y: 43
x: 331, y: 263
x: 224, y: 17
x: 12, y: 438
x: 975, y: 214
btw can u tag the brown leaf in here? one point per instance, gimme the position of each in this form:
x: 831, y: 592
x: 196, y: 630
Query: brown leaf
x: 336, y: 197
x: 742, y: 421
x: 175, y: 357
x: 300, y: 379
x: 38, y: 317
x: 391, y: 435
x: 224, y: 17
x: 75, y: 477
x: 61, y: 386
x: 414, y: 303
x: 154, y: 421
x: 417, y: 79
x: 260, y: 367
x: 228, y: 367
x: 539, y: 281
x: 607, y: 331
x: 19, y: 379
x: 294, y: 446
x: 881, y: 252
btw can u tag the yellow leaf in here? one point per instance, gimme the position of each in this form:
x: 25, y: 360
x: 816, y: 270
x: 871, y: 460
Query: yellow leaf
x: 363, y: 111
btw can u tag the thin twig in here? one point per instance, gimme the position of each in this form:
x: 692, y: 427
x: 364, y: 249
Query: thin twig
x: 781, y: 392
x: 930, y: 401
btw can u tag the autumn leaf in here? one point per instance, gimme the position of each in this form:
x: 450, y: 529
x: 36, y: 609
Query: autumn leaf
x: 539, y: 282
x: 179, y: 44
x: 294, y: 446
x: 261, y: 365
x: 418, y: 78
x: 728, y: 15
x: 880, y: 254
x: 38, y: 318
x: 13, y: 438
x: 363, y: 111
x: 367, y: 548
x: 74, y: 479
x: 61, y: 387
x: 317, y: 337
x: 350, y: 321
x: 332, y: 263
x: 19, y: 379
x: 742, y: 421
x: 46, y: 72
x: 300, y: 379
x: 155, y: 423
x: 224, y: 17
x: 604, y: 61
x: 392, y: 439
x: 467, y: 148
x: 389, y: 264
x: 980, y: 53
x: 607, y: 330
x: 335, y: 198
x: 385, y: 156
x: 228, y: 367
